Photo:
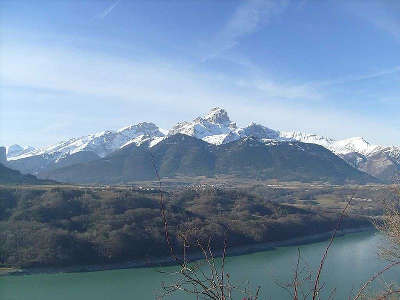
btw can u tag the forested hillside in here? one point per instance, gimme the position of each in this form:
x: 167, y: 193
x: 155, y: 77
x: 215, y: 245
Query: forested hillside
x: 64, y: 226
x: 9, y: 176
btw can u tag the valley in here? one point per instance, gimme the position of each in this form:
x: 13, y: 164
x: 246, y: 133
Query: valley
x: 216, y: 150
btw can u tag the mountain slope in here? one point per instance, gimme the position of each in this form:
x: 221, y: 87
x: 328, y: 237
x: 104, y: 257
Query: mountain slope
x: 131, y: 163
x: 176, y: 155
x: 383, y: 163
x: 46, y: 162
x: 182, y: 155
x: 18, y: 150
x: 9, y: 176
x: 379, y: 161
x: 3, y: 155
x: 84, y: 149
x: 288, y: 161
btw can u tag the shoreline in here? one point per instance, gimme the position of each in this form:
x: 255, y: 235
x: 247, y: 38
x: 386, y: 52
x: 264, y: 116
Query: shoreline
x: 168, y: 261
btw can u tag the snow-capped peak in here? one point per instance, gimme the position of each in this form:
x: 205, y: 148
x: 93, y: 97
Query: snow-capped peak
x: 101, y: 143
x: 355, y: 144
x: 341, y: 147
x: 145, y: 128
x: 214, y: 127
x: 218, y: 115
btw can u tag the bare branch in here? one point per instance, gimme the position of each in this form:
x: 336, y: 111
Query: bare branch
x: 316, y: 289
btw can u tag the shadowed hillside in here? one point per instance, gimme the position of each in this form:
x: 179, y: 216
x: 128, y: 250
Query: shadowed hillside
x: 182, y: 155
x: 9, y: 176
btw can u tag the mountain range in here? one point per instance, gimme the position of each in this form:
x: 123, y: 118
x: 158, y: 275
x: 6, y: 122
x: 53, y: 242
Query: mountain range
x: 216, y: 132
x: 185, y: 156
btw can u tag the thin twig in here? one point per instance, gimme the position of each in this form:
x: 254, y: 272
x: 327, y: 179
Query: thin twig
x: 316, y: 288
x: 366, y: 284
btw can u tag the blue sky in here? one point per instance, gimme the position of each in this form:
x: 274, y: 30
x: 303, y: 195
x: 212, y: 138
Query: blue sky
x: 71, y: 68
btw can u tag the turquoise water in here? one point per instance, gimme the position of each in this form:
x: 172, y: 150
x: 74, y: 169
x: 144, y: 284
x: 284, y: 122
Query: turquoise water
x: 353, y: 258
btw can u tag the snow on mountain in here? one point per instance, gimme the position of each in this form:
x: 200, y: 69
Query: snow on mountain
x: 17, y: 150
x: 213, y: 127
x: 393, y: 152
x: 346, y: 146
x: 259, y: 131
x: 379, y: 161
x: 216, y: 128
x: 356, y: 144
x: 101, y: 143
x: 307, y: 138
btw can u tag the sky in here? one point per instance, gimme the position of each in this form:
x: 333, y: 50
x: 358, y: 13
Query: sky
x: 72, y: 68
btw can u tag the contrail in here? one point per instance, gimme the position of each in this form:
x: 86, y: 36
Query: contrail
x: 106, y: 12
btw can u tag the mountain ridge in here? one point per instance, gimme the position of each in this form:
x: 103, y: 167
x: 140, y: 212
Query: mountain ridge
x: 187, y: 156
x: 216, y: 128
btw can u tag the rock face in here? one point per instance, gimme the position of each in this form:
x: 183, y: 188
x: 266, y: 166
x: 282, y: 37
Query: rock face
x: 3, y: 156
x: 217, y: 128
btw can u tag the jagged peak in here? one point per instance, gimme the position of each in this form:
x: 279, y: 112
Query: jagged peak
x: 143, y: 126
x: 260, y: 131
x: 217, y: 115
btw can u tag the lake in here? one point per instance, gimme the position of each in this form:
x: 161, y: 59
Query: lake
x: 352, y: 260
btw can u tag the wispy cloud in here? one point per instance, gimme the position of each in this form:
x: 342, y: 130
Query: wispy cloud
x: 356, y: 78
x: 108, y: 10
x: 249, y: 17
x: 280, y: 91
x: 381, y: 14
x: 101, y: 83
x: 114, y: 78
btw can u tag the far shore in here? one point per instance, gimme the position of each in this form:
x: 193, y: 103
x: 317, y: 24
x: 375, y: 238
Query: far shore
x: 168, y: 261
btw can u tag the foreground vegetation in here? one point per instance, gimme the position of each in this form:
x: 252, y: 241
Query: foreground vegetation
x: 61, y: 226
x: 207, y: 279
